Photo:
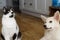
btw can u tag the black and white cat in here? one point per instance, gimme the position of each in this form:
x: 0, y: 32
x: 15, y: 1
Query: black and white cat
x: 10, y: 29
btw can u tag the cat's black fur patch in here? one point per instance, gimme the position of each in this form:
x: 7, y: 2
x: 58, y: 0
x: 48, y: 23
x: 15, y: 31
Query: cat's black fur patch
x: 6, y: 12
x: 2, y: 37
x: 14, y: 36
x: 19, y: 34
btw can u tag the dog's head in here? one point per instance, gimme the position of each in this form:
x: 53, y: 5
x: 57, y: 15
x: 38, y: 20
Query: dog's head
x: 51, y: 22
x: 8, y: 12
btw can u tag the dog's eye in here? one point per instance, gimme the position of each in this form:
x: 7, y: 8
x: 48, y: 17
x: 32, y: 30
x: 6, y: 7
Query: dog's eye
x: 50, y: 21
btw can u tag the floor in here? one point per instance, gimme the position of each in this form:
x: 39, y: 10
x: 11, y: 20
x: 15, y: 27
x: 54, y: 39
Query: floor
x: 30, y: 26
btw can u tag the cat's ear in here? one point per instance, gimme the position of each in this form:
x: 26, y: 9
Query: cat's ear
x: 4, y: 9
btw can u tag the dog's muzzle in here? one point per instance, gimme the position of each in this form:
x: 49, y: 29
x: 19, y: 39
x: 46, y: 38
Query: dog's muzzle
x: 46, y: 27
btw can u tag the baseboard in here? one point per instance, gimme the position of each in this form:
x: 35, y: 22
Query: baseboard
x: 33, y: 13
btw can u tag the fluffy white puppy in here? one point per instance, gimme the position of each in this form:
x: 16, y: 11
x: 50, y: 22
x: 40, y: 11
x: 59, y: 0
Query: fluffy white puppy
x: 10, y: 29
x: 52, y: 27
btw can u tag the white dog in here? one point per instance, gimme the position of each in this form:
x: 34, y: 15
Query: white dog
x: 10, y: 29
x: 52, y: 27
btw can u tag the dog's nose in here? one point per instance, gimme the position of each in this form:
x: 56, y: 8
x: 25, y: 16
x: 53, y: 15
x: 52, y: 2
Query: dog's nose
x: 44, y: 26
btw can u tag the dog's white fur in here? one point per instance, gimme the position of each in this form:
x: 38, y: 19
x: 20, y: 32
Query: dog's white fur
x: 9, y: 26
x: 53, y: 31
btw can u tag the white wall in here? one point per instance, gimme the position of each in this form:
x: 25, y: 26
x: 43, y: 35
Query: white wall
x: 5, y: 3
x: 9, y: 3
x: 2, y: 3
x: 21, y: 4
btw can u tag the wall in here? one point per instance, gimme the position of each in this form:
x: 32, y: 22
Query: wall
x: 9, y: 3
x: 2, y: 3
x: 5, y: 3
x: 21, y: 5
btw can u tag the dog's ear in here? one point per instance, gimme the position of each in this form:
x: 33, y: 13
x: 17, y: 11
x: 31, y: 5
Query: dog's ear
x: 4, y: 9
x: 43, y: 18
x: 56, y: 15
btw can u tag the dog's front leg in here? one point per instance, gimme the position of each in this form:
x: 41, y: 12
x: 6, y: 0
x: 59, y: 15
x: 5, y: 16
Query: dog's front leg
x: 44, y: 38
